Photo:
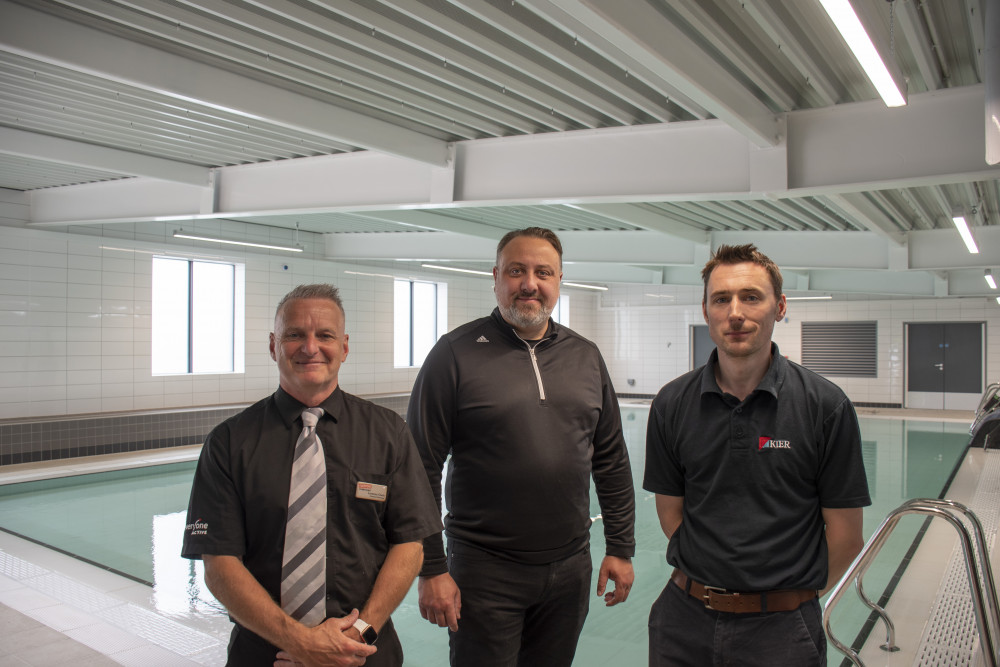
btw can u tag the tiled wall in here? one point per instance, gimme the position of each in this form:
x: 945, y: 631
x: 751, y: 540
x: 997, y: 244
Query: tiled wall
x: 75, y: 324
x: 75, y: 321
x: 31, y: 440
x: 647, y: 338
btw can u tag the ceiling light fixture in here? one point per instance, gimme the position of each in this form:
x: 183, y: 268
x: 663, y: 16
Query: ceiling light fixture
x: 808, y: 298
x: 456, y: 269
x: 989, y: 279
x: 963, y: 230
x: 998, y: 300
x: 181, y: 234
x: 487, y: 273
x: 851, y: 29
x: 373, y: 275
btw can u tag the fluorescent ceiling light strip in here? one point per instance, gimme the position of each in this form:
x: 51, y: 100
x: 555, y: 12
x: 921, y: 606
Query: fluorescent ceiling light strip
x: 807, y: 298
x: 487, y: 273
x: 196, y: 237
x: 374, y: 275
x: 998, y: 299
x: 966, y: 234
x: 989, y: 279
x: 844, y: 17
x: 456, y: 269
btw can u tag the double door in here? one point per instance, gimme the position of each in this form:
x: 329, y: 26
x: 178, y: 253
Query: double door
x: 944, y: 365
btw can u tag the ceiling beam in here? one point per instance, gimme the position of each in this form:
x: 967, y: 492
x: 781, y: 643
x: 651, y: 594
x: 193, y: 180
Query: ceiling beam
x: 633, y: 214
x: 695, y: 161
x: 861, y: 210
x: 430, y: 221
x: 638, y: 29
x: 936, y: 138
x: 41, y: 36
x: 80, y: 154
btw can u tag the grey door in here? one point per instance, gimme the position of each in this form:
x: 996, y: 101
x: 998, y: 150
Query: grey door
x: 944, y: 365
x: 701, y: 345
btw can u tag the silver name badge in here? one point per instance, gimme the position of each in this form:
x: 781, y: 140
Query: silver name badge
x: 369, y: 491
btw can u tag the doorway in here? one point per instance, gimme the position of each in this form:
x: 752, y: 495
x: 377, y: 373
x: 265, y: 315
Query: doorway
x: 944, y: 365
x: 701, y: 345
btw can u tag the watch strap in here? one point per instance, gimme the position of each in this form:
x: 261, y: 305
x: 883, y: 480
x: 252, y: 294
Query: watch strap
x: 368, y: 634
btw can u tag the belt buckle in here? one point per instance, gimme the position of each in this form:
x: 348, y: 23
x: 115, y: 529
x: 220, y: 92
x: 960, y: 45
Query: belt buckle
x: 707, y: 598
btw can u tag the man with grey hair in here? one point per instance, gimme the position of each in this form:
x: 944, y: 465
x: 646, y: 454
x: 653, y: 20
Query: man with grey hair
x: 309, y: 506
x: 526, y: 410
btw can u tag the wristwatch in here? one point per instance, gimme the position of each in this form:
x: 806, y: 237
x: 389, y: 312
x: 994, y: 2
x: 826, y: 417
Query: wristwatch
x: 368, y: 633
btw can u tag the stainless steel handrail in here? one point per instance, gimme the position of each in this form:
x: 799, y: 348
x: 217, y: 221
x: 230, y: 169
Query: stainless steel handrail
x: 983, y: 586
x: 982, y: 413
x: 987, y: 395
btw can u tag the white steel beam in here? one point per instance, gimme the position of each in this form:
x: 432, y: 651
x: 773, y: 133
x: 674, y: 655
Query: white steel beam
x: 639, y: 30
x: 674, y: 161
x: 80, y: 154
x: 943, y: 249
x: 601, y: 247
x: 812, y: 250
x: 903, y: 283
x: 54, y: 40
x: 640, y: 217
x: 936, y: 138
x: 857, y: 208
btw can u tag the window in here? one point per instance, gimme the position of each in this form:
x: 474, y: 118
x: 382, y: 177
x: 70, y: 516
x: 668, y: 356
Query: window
x: 421, y: 317
x: 560, y: 313
x: 841, y: 349
x: 198, y: 313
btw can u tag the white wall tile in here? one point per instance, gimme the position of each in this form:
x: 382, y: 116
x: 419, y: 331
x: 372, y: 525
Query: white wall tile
x: 77, y: 328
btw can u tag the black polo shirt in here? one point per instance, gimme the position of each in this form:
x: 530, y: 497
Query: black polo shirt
x: 754, y: 474
x: 240, y: 494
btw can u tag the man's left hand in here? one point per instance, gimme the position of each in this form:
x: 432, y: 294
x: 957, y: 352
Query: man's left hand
x: 618, y: 570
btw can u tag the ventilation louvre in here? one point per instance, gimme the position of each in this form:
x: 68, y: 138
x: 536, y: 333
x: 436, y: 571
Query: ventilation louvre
x: 841, y: 349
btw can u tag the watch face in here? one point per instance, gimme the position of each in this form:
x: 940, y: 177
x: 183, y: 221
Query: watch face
x: 369, y: 635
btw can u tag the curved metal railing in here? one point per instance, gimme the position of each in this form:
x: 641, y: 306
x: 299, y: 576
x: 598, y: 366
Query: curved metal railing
x: 981, y: 582
x: 987, y: 411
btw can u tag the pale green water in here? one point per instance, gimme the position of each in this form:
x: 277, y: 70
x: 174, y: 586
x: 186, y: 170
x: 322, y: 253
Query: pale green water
x: 132, y: 522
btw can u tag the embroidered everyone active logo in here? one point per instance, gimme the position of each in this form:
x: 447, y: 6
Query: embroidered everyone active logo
x: 199, y: 527
x: 765, y: 442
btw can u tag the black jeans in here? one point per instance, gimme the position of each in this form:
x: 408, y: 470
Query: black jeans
x: 683, y: 633
x: 516, y: 615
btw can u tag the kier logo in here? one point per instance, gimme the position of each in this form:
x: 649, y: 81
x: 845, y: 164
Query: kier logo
x: 765, y: 442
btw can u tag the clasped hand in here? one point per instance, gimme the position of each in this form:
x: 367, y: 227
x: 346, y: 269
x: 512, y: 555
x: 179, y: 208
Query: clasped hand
x: 330, y: 643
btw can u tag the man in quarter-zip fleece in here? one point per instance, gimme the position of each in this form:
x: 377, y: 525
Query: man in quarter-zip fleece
x: 527, y: 411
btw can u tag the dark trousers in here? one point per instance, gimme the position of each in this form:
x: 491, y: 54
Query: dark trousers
x: 247, y: 649
x: 516, y: 615
x: 683, y: 633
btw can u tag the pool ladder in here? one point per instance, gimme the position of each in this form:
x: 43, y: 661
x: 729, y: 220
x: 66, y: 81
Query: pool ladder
x: 984, y: 592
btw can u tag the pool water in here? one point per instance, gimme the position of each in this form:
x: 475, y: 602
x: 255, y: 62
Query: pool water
x: 132, y: 522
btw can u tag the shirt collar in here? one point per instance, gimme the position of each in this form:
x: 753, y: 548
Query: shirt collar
x: 290, y: 408
x: 770, y: 382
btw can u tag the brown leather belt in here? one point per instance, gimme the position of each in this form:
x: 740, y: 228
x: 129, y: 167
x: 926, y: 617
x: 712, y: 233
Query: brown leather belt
x: 719, y: 599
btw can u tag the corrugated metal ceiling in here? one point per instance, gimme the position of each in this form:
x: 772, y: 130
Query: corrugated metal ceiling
x: 466, y: 70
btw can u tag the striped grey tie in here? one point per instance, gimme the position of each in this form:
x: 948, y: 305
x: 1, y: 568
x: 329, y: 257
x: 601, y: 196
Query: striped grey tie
x: 303, y: 564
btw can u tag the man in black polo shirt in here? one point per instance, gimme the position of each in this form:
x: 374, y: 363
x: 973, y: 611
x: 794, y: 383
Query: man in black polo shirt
x: 378, y: 505
x: 757, y: 470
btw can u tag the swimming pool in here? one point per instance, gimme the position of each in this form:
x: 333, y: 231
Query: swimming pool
x: 132, y: 522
